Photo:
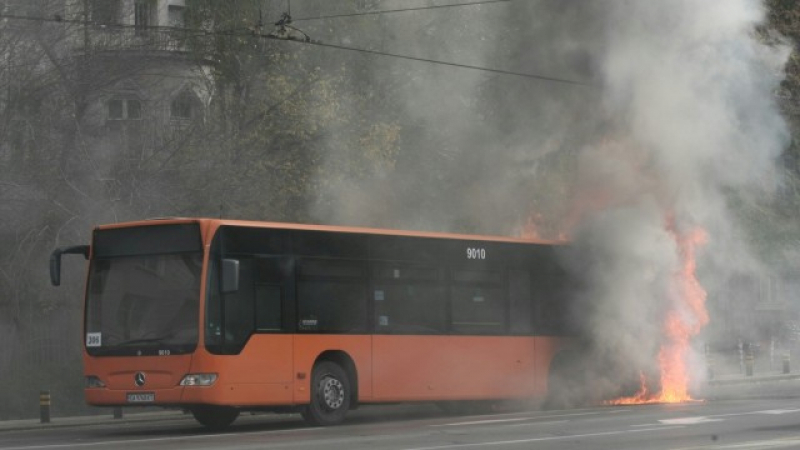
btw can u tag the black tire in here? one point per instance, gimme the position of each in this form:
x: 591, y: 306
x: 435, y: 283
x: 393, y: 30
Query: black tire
x: 215, y: 418
x: 330, y: 395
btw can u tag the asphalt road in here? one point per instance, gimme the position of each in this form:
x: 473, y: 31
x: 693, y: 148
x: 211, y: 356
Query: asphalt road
x: 728, y: 424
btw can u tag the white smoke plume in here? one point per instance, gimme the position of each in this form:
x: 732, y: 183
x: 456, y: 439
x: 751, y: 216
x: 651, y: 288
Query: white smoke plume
x: 687, y: 87
x: 676, y: 121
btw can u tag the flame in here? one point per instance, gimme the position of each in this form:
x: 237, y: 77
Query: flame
x: 685, y: 320
x: 532, y: 230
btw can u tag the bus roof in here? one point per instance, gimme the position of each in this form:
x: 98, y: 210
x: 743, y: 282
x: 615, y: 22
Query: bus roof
x: 213, y: 224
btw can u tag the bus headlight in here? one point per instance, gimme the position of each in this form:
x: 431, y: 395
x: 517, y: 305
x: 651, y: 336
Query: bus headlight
x: 94, y: 382
x: 199, y: 379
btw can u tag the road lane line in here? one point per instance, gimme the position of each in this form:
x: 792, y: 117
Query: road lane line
x: 529, y: 424
x: 542, y: 439
x: 164, y: 439
x: 772, y: 443
x: 689, y: 420
x: 481, y: 422
x: 778, y: 411
x: 530, y: 417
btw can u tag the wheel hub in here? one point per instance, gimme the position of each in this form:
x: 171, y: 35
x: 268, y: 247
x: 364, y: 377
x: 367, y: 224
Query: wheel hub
x: 332, y: 392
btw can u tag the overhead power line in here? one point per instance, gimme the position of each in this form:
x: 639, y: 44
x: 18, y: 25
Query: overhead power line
x: 307, y: 40
x: 434, y: 61
x: 389, y: 11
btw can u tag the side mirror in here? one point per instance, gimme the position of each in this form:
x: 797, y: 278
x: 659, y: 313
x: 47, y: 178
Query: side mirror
x: 55, y: 260
x: 230, y: 276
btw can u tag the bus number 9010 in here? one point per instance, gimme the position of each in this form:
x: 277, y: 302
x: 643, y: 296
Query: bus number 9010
x: 476, y: 253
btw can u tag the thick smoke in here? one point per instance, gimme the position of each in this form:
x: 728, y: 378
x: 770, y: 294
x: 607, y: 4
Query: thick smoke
x: 676, y: 122
x: 688, y: 89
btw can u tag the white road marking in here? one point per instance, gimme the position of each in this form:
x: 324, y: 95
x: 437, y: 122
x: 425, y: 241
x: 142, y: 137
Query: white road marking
x: 778, y: 411
x: 792, y: 442
x: 689, y: 420
x: 530, y: 417
x: 530, y: 424
x: 541, y: 439
x: 164, y: 439
x: 481, y: 422
x: 718, y: 418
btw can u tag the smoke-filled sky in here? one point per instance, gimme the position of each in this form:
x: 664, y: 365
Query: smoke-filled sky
x: 678, y: 119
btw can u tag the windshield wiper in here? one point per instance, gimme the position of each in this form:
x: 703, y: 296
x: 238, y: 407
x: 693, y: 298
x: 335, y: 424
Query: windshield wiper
x: 155, y: 340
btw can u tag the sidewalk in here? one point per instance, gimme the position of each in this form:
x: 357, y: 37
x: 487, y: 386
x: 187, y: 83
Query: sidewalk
x: 77, y: 421
x: 767, y: 381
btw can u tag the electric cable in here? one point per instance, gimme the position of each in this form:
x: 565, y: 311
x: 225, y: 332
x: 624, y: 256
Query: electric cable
x: 306, y: 40
x: 432, y: 61
x: 389, y: 11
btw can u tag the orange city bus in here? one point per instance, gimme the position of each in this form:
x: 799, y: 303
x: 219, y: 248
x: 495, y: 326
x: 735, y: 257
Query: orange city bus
x: 221, y: 316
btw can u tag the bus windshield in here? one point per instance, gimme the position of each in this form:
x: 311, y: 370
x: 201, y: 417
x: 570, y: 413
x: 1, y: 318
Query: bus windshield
x: 142, y: 304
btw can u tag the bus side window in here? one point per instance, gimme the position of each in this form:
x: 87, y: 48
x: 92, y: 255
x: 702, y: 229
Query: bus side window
x: 269, y: 293
x: 239, y: 307
x: 551, y: 292
x: 478, y: 302
x: 213, y: 308
x: 519, y: 290
x: 408, y: 299
x: 331, y: 297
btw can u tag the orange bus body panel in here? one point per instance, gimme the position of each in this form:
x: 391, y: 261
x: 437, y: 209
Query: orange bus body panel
x: 260, y: 375
x: 209, y: 226
x: 546, y: 348
x: 275, y: 370
x: 419, y: 368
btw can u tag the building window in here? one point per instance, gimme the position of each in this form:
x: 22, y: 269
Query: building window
x: 176, y: 16
x: 105, y: 12
x: 183, y: 106
x: 144, y: 14
x: 124, y: 108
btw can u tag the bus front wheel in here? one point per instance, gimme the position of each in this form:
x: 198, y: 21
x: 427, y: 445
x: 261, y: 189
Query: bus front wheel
x: 330, y: 395
x: 215, y: 418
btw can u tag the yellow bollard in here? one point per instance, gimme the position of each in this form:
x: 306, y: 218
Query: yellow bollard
x: 748, y: 364
x: 44, y: 406
x: 786, y: 363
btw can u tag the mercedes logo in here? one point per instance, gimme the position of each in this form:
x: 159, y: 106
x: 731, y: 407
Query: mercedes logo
x: 139, y: 379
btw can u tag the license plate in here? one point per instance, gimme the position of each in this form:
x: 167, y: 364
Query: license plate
x: 141, y: 397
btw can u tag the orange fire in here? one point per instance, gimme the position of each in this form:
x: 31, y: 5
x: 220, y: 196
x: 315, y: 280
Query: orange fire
x: 531, y: 230
x: 686, y: 318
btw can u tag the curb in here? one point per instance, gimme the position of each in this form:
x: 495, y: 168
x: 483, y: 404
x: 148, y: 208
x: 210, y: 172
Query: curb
x: 83, y: 421
x: 754, y: 380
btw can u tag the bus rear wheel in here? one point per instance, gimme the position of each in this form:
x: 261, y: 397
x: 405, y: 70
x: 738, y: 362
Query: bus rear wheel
x: 330, y: 395
x: 215, y: 418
